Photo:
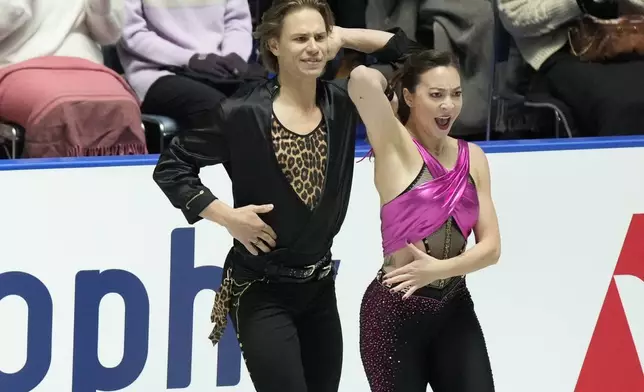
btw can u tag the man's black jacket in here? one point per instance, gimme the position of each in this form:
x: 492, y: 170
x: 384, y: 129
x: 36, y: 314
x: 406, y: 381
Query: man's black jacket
x: 240, y: 138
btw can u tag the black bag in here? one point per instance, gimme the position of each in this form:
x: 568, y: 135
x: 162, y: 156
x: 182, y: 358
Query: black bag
x: 227, y: 86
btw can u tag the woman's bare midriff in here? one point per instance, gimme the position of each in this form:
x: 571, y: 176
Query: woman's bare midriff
x: 401, y: 257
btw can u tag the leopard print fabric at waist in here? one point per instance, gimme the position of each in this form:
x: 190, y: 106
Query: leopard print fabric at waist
x: 229, y: 292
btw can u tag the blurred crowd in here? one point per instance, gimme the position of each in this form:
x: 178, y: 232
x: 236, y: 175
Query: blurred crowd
x: 119, y: 77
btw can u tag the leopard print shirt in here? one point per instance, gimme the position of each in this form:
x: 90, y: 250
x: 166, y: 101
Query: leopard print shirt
x: 302, y: 159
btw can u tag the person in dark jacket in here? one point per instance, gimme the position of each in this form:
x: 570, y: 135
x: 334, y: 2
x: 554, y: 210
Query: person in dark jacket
x: 288, y: 146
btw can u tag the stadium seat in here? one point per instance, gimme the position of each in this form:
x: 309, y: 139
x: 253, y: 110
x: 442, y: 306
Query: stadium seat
x: 12, y: 138
x: 538, y: 98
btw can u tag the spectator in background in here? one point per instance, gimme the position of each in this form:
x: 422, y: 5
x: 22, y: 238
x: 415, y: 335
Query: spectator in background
x: 183, y: 58
x: 463, y: 28
x: 349, y: 14
x: 605, y: 98
x: 53, y: 83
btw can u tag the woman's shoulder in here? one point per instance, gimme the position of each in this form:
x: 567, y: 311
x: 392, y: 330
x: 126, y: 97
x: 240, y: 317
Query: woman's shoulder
x: 475, y: 152
x: 474, y: 148
x: 479, y: 167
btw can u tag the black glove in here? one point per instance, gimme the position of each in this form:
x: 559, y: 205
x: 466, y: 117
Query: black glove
x: 210, y: 64
x: 235, y: 64
x: 603, y: 9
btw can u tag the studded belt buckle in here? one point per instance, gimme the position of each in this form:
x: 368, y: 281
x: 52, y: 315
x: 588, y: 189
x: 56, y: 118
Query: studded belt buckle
x: 308, y: 271
x: 324, y: 271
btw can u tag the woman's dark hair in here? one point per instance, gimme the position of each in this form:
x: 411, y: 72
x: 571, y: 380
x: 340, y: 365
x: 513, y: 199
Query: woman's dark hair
x: 273, y: 19
x: 415, y: 65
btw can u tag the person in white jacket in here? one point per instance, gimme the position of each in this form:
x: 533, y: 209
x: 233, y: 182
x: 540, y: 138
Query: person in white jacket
x: 75, y: 28
x: 605, y: 98
x: 53, y: 83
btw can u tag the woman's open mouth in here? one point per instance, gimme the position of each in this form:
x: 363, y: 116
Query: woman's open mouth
x: 443, y: 122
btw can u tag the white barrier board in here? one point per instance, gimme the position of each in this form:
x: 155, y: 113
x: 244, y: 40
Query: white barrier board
x: 69, y: 236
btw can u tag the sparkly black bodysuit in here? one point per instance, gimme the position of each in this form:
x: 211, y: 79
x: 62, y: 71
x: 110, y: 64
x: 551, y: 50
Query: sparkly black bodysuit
x: 433, y: 337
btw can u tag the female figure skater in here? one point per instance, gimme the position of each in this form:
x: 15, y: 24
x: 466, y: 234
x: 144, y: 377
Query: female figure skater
x: 417, y: 323
x: 288, y: 147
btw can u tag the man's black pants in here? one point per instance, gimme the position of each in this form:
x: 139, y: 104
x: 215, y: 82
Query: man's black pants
x: 290, y: 335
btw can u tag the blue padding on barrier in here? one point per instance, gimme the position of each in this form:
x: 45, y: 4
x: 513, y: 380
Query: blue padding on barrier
x: 84, y: 162
x: 505, y: 146
x: 531, y: 145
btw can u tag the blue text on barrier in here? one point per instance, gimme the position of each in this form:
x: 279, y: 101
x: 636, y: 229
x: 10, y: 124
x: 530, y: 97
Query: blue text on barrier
x: 88, y: 374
